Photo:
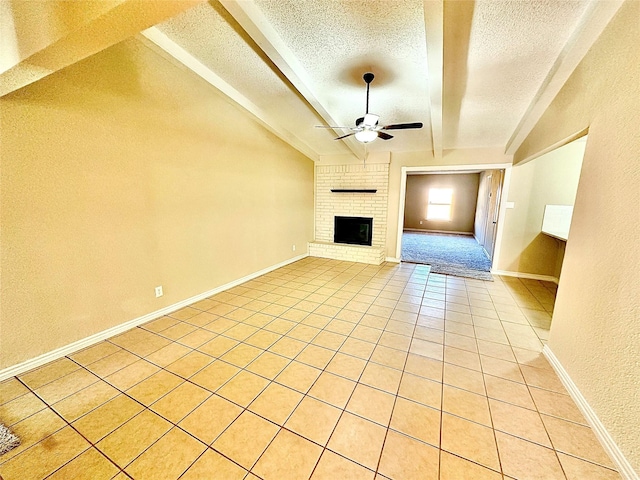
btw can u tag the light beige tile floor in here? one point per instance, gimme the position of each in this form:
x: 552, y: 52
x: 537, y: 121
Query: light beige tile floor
x: 323, y: 370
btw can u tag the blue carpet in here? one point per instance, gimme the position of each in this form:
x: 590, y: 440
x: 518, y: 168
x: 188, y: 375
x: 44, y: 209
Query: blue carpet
x: 447, y: 253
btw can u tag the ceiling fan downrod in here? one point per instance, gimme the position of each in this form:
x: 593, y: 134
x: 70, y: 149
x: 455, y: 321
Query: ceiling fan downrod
x: 368, y: 78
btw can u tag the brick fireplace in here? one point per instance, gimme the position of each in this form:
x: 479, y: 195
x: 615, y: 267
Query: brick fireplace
x: 353, y: 190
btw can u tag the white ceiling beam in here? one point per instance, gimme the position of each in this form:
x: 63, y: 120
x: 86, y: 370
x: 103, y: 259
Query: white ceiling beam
x: 593, y: 22
x: 251, y: 19
x: 434, y: 29
x: 91, y: 28
x: 176, y: 52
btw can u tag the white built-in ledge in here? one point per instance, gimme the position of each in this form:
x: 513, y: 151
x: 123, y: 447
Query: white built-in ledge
x: 564, y: 236
x: 557, y: 220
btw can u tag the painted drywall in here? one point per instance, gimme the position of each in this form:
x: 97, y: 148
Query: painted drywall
x: 124, y: 172
x: 551, y: 179
x: 42, y: 37
x: 595, y: 332
x: 463, y: 203
x: 28, y: 27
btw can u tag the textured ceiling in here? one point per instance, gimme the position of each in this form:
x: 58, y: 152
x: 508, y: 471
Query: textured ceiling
x: 509, y: 47
x: 338, y: 41
x: 302, y: 63
x: 212, y: 36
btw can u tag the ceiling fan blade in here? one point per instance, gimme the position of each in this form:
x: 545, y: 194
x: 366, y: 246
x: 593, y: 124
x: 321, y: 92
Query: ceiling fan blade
x: 325, y: 126
x: 384, y: 136
x: 403, y: 126
x: 344, y: 136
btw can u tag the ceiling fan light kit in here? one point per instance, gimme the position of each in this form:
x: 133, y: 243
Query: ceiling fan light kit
x: 367, y: 128
x: 366, y: 136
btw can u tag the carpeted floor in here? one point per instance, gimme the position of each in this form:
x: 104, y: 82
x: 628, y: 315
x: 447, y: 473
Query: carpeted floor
x: 8, y: 440
x: 447, y: 253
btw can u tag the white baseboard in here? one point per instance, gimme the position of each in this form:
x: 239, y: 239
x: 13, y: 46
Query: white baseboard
x: 32, y: 363
x: 392, y: 260
x: 424, y: 230
x: 624, y: 467
x: 530, y: 276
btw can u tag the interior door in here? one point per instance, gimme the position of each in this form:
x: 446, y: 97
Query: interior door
x: 479, y: 227
x: 493, y: 209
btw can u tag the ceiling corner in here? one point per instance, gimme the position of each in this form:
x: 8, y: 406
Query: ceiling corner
x: 176, y: 52
x: 593, y: 22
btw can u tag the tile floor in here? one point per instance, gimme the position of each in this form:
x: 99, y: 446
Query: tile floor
x: 323, y: 370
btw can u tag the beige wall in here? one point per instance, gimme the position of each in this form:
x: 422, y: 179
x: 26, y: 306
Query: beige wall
x: 28, y: 26
x: 124, y: 172
x: 463, y: 206
x: 549, y: 179
x: 595, y: 332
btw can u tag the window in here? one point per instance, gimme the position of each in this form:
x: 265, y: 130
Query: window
x: 439, y: 207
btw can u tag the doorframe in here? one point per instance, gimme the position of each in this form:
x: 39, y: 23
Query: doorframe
x: 455, y: 169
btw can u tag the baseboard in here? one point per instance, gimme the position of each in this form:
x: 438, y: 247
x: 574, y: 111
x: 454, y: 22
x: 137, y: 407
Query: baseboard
x: 624, y: 467
x: 452, y: 232
x: 392, y: 260
x: 530, y: 276
x: 30, y: 364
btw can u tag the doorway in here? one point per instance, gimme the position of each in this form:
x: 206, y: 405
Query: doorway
x: 449, y: 217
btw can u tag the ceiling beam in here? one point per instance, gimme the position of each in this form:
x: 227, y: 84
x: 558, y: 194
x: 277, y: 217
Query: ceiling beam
x: 434, y: 28
x: 179, y: 54
x: 593, y: 22
x: 57, y: 34
x: 254, y: 23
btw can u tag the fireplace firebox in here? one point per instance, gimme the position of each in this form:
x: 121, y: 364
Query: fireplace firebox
x: 353, y: 230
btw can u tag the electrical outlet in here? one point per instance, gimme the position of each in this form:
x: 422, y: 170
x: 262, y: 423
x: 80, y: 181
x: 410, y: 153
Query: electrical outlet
x: 420, y: 222
x: 294, y: 248
x: 159, y: 291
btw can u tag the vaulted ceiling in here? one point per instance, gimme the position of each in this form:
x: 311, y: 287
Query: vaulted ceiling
x: 477, y: 74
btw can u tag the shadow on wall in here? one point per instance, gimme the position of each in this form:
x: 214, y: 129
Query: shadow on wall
x: 539, y: 257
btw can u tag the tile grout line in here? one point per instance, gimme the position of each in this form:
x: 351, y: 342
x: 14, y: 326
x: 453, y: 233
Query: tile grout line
x: 246, y: 408
x: 294, y: 278
x: 67, y: 424
x: 325, y: 447
x: 395, y: 400
x: 486, y: 390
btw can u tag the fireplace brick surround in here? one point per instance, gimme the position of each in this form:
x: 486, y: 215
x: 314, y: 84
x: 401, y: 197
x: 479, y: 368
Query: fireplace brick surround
x: 330, y: 204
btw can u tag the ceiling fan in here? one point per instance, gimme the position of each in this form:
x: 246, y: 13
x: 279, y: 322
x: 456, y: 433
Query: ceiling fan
x: 367, y: 128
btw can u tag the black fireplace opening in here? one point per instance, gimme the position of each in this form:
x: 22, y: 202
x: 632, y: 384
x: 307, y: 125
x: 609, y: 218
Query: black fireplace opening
x: 353, y: 230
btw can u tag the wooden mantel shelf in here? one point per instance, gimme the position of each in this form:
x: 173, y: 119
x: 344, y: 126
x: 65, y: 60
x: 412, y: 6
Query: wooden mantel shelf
x: 353, y: 190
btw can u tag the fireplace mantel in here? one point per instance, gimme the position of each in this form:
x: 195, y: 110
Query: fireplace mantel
x: 353, y: 190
